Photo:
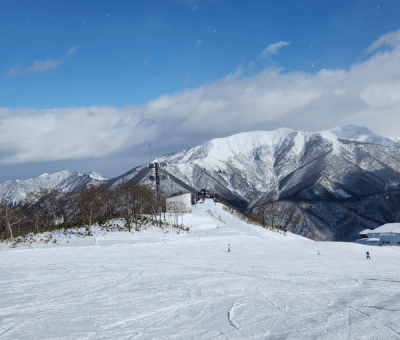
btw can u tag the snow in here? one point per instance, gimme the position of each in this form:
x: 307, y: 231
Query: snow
x: 223, y: 149
x: 387, y: 228
x: 97, y: 176
x: 356, y: 133
x: 396, y: 139
x: 15, y: 191
x: 365, y: 231
x: 160, y: 284
x: 341, y: 193
x: 286, y: 163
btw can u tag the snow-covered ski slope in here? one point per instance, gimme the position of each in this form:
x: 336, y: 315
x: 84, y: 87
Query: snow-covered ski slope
x: 157, y: 284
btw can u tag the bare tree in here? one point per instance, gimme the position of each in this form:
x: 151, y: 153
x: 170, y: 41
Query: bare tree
x: 176, y: 209
x: 134, y: 199
x: 293, y: 216
x: 125, y: 202
x: 70, y: 210
x: 51, y: 202
x: 277, y: 214
x: 103, y: 199
x: 45, y: 207
x: 150, y: 202
x: 10, y: 216
x: 89, y: 203
x: 33, y: 208
x: 107, y: 200
x: 270, y: 213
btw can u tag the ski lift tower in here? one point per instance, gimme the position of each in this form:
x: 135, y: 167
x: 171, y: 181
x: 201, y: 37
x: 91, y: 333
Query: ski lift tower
x: 157, y: 178
x: 156, y: 166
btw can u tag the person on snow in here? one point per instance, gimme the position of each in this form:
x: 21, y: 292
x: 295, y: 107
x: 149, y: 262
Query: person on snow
x: 368, y: 258
x: 318, y: 252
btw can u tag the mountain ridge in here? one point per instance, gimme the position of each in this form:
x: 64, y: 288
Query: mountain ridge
x: 14, y: 191
x: 328, y: 177
x: 296, y: 166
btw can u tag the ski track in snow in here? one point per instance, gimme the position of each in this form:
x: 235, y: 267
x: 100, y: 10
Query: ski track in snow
x: 158, y: 285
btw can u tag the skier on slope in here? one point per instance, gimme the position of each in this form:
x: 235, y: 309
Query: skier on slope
x: 368, y: 258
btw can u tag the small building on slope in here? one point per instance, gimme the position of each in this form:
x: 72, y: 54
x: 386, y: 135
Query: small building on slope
x: 386, y: 235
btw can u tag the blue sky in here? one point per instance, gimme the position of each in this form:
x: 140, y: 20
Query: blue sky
x: 86, y: 85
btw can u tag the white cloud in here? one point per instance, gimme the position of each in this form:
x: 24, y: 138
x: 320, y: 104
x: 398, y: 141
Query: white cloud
x: 71, y: 133
x: 236, y: 102
x: 390, y: 39
x: 13, y: 71
x: 198, y: 43
x: 41, y: 66
x: 366, y: 94
x: 272, y: 49
x: 70, y: 51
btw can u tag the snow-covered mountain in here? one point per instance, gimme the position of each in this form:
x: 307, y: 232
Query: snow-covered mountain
x: 286, y: 163
x: 395, y: 139
x: 358, y: 134
x: 337, y: 165
x: 341, y: 180
x: 15, y: 191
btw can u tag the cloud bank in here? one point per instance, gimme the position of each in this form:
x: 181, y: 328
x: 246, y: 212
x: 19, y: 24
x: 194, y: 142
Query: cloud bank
x: 71, y: 133
x: 367, y: 94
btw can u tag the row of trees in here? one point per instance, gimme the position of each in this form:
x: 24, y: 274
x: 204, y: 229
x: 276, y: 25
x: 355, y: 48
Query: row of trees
x: 47, y: 208
x: 273, y: 215
x: 276, y: 215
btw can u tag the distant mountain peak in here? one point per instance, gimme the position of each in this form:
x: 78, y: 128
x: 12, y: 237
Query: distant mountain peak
x: 15, y: 191
x: 264, y: 145
x: 358, y: 134
x: 396, y: 139
x: 97, y: 176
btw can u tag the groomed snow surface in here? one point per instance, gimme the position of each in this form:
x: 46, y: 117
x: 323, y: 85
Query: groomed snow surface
x: 157, y: 284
